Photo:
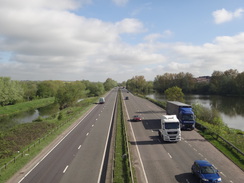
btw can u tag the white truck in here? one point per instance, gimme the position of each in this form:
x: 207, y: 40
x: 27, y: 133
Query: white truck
x: 170, y: 128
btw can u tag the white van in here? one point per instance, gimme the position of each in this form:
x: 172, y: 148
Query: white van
x: 102, y: 100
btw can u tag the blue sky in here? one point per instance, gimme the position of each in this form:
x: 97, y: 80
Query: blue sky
x: 99, y: 39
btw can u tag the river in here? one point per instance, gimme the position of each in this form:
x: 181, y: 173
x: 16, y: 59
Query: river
x: 28, y: 116
x: 231, y: 109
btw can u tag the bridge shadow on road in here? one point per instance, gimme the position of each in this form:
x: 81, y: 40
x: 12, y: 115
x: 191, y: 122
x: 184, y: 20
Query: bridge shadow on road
x: 186, y: 178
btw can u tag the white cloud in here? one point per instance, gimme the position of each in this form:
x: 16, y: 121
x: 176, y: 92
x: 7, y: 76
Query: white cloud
x: 129, y: 25
x: 157, y: 36
x: 120, y: 2
x: 221, y: 16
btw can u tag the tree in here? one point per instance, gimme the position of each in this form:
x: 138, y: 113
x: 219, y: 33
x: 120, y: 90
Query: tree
x: 69, y: 93
x: 48, y: 88
x: 109, y: 84
x: 174, y: 93
x: 30, y: 89
x: 10, y: 91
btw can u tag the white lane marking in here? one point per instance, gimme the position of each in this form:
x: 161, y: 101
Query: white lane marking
x: 195, y: 149
x: 137, y: 149
x: 92, y: 125
x: 222, y: 174
x: 170, y: 156
x: 65, y: 169
x: 79, y: 147
x: 55, y: 146
x: 200, y: 154
x: 187, y: 181
x: 87, y: 134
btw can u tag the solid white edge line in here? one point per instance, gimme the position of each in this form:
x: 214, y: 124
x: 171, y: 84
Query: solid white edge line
x: 134, y: 138
x: 54, y: 147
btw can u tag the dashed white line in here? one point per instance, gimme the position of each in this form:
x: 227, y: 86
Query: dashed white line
x: 187, y: 181
x: 79, y: 147
x: 93, y: 125
x: 223, y: 174
x: 170, y: 156
x: 200, y: 154
x: 194, y: 149
x: 87, y: 134
x: 65, y: 169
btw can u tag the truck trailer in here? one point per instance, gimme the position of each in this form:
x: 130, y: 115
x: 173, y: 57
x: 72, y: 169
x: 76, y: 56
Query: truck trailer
x: 183, y: 112
x: 170, y: 129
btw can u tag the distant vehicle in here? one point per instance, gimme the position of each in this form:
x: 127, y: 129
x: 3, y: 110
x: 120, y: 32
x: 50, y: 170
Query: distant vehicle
x: 102, y: 100
x: 136, y: 118
x: 183, y: 112
x: 170, y: 129
x: 126, y: 98
x: 205, y: 171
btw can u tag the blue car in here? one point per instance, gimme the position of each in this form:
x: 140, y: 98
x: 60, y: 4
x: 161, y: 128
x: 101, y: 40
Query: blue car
x: 205, y: 171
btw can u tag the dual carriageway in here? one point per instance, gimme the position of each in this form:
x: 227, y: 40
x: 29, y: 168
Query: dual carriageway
x: 81, y: 154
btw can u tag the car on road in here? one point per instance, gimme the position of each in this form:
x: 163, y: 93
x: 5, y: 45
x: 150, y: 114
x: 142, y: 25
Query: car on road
x: 126, y: 98
x: 205, y: 171
x: 136, y: 118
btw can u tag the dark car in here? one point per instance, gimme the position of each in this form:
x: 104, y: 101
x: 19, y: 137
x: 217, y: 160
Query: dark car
x: 126, y: 98
x: 136, y: 118
x: 205, y: 171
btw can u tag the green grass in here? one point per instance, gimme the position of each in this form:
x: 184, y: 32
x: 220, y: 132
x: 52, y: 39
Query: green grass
x: 57, y: 126
x: 121, y: 165
x: 25, y: 106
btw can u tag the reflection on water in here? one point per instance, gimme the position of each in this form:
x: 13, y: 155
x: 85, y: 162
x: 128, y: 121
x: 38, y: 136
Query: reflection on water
x: 231, y: 109
x: 27, y: 116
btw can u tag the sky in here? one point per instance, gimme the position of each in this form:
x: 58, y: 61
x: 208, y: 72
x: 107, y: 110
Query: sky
x: 98, y: 39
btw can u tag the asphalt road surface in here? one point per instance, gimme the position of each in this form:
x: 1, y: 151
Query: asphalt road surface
x: 79, y: 155
x: 156, y: 161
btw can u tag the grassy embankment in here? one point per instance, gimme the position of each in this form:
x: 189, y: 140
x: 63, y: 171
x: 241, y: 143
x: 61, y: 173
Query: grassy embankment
x: 234, y: 136
x: 25, y: 106
x: 122, y: 172
x: 16, y: 142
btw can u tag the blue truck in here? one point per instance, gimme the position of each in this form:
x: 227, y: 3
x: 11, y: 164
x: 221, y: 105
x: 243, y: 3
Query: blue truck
x: 183, y: 112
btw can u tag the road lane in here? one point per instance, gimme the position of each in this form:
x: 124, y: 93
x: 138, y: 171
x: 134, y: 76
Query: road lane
x: 87, y: 164
x: 171, y: 162
x: 57, y: 162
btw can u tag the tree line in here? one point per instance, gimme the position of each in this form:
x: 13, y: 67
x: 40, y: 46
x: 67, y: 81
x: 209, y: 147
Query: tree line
x: 65, y: 93
x: 229, y: 82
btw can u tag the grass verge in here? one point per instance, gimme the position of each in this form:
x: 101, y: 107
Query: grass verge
x: 121, y: 163
x: 25, y: 106
x: 234, y: 157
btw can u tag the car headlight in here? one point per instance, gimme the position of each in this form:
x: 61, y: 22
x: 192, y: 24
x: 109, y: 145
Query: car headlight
x: 219, y: 179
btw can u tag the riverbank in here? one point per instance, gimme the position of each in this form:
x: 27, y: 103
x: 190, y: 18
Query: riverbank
x: 25, y: 106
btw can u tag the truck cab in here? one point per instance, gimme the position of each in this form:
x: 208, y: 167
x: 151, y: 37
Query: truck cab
x: 170, y: 128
